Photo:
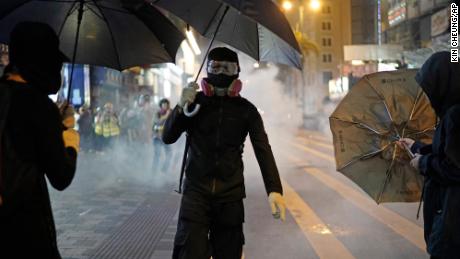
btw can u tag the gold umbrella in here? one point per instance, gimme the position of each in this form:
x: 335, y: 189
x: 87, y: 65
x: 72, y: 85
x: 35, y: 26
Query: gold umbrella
x: 379, y: 110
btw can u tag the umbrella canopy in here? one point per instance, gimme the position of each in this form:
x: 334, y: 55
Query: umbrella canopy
x: 255, y: 27
x: 117, y: 34
x: 379, y: 110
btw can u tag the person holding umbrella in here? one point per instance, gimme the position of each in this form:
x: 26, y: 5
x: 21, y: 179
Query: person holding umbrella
x: 212, y: 214
x: 440, y: 162
x: 34, y: 143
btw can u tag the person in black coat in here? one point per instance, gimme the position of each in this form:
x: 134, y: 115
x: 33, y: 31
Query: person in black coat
x: 440, y: 162
x: 34, y: 144
x: 212, y: 214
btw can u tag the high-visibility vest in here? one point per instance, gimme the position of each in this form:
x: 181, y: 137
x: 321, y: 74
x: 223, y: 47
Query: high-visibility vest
x: 107, y: 127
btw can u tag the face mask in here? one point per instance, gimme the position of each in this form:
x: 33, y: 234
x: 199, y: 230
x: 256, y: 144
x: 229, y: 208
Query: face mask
x: 220, y: 81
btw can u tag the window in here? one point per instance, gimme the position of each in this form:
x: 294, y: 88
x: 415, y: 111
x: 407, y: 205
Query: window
x: 326, y: 9
x: 327, y: 42
x: 327, y: 75
x: 326, y: 26
x: 327, y: 58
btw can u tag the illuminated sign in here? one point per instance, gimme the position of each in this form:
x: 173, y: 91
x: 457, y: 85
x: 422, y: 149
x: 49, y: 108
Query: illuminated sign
x: 397, y: 13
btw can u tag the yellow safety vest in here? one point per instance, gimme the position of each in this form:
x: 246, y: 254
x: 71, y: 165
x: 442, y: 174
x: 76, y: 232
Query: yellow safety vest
x: 107, y: 127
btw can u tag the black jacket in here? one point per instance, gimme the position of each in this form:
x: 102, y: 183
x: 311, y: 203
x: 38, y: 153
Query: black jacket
x: 440, y: 80
x: 217, y: 135
x: 32, y: 147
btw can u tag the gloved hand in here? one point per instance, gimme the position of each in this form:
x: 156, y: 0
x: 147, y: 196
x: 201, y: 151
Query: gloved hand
x: 277, y: 205
x: 415, y: 162
x: 188, y: 94
x: 406, y: 142
x: 71, y: 139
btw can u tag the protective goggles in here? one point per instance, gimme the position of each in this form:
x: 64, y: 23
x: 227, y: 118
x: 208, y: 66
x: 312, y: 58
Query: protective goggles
x: 222, y: 67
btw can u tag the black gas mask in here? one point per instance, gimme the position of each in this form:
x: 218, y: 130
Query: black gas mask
x: 222, y: 67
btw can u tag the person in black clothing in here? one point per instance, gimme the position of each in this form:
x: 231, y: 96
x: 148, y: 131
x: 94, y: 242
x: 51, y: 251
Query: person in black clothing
x: 212, y: 214
x: 440, y: 162
x: 85, y: 127
x: 34, y: 143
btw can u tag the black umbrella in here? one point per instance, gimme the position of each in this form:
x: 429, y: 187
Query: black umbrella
x: 117, y: 34
x: 255, y: 27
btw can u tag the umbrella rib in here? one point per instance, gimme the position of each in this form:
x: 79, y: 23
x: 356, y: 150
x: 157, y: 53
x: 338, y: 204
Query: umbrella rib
x: 14, y: 9
x: 114, y: 9
x: 94, y: 12
x: 111, y: 33
x: 57, y: 1
x: 388, y: 173
x: 362, y: 124
x: 412, y: 112
x: 70, y: 12
x: 258, y: 42
x: 212, y: 20
x: 364, y: 156
x: 384, y: 103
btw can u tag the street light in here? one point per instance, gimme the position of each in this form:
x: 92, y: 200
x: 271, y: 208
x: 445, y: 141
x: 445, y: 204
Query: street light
x: 315, y: 5
x: 287, y: 5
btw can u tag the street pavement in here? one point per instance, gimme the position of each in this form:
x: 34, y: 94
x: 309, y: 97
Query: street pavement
x: 118, y: 207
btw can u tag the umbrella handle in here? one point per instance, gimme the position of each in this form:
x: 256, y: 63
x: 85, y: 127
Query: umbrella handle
x: 409, y: 152
x: 191, y: 113
x: 197, y: 107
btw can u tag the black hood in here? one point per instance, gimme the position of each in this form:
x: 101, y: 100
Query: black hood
x: 440, y: 80
x: 35, y: 55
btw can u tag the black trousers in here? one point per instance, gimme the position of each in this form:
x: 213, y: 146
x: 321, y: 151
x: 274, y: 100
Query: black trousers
x: 207, y: 228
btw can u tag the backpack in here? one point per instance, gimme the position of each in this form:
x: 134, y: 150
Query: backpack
x: 5, y: 97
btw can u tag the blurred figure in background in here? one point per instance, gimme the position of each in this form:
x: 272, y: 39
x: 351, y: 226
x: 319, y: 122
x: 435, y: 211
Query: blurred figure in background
x: 162, y: 153
x: 107, y: 126
x: 145, y: 113
x: 85, y: 127
x: 34, y: 143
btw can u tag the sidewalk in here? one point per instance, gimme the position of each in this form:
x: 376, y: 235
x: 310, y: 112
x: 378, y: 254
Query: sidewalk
x: 113, y: 214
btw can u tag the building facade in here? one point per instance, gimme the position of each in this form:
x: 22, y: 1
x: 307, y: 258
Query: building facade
x: 418, y: 24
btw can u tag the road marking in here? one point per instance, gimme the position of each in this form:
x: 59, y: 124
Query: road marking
x: 321, y: 238
x: 315, y: 142
x: 84, y: 212
x: 397, y: 223
x: 315, y: 135
x: 315, y: 152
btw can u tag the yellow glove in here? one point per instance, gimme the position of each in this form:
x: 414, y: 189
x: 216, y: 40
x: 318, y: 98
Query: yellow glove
x: 71, y: 139
x: 277, y: 205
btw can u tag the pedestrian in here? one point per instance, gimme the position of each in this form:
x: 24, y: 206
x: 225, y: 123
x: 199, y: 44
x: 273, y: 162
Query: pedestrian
x: 34, y: 143
x: 161, y: 151
x: 212, y: 214
x: 146, y: 114
x: 85, y: 127
x: 440, y: 162
x: 107, y: 126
